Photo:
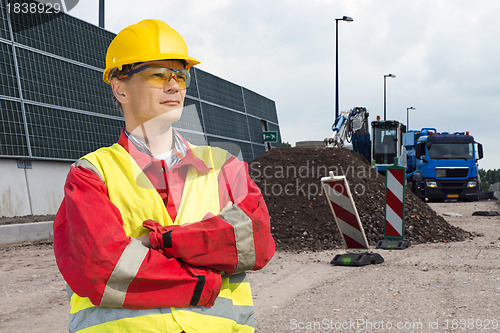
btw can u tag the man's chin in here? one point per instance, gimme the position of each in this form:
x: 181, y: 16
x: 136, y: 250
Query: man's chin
x: 168, y: 115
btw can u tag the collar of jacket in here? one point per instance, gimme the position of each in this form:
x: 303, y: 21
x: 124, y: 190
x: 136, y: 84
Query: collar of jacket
x: 143, y: 159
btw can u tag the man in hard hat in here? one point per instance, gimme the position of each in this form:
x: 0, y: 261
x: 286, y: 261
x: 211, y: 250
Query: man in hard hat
x: 155, y: 234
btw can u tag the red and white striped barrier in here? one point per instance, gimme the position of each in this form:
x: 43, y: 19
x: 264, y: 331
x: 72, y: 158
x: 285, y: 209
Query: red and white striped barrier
x: 394, y: 229
x: 394, y: 205
x: 344, y: 211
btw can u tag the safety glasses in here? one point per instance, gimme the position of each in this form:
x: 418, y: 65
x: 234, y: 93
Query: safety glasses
x: 158, y: 76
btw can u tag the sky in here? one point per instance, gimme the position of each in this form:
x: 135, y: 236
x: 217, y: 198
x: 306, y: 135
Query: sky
x: 445, y: 55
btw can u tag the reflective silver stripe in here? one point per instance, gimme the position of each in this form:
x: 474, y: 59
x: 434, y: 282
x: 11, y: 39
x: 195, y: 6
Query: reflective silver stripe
x: 237, y: 278
x: 228, y: 156
x: 243, y: 233
x: 69, y: 292
x: 223, y: 308
x: 87, y: 165
x: 99, y: 315
x: 123, y: 274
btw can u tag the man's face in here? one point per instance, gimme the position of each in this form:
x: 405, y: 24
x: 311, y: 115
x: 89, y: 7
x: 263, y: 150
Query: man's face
x: 145, y: 96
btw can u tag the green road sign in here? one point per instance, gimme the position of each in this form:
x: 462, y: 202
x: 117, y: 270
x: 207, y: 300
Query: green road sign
x: 270, y: 136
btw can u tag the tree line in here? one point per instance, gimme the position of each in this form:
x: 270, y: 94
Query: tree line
x: 489, y: 177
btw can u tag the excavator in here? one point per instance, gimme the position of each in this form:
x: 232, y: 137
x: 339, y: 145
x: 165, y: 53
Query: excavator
x: 352, y: 127
x: 380, y: 149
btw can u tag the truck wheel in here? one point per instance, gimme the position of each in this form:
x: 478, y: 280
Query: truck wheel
x: 414, y: 189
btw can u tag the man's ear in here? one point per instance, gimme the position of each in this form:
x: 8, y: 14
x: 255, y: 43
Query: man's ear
x: 119, y: 90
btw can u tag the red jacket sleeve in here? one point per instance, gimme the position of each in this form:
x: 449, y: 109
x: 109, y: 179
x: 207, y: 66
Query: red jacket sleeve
x: 100, y: 262
x: 236, y: 240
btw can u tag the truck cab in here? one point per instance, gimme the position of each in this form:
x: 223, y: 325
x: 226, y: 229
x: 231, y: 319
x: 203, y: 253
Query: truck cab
x: 443, y: 166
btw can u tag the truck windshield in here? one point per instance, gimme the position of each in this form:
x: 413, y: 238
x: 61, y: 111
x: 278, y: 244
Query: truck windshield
x: 451, y: 151
x: 384, y: 145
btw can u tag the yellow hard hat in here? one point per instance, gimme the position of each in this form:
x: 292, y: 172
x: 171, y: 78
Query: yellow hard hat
x: 147, y: 40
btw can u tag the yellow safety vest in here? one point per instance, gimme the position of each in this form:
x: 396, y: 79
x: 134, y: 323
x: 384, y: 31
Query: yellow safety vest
x: 135, y: 197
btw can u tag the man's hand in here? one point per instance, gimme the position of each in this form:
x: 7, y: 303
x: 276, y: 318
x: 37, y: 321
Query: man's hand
x: 159, y: 236
x: 144, y: 239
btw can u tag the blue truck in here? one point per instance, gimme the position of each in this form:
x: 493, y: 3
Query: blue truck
x: 442, y: 166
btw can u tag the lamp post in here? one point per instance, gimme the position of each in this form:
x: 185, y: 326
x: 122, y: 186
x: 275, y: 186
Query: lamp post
x: 385, y: 107
x: 101, y: 13
x: 347, y: 19
x: 408, y: 117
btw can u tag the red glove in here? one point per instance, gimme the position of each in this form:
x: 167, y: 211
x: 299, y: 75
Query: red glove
x: 159, y: 236
x: 208, y: 244
x: 209, y: 280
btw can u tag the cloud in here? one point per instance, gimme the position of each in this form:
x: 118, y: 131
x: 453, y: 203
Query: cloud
x: 443, y: 52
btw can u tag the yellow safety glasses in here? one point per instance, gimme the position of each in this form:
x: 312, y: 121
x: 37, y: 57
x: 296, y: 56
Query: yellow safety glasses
x: 159, y: 77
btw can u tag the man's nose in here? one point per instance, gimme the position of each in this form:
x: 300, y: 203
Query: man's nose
x: 172, y: 85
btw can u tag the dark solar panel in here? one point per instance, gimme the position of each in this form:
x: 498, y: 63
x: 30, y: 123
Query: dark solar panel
x: 56, y: 105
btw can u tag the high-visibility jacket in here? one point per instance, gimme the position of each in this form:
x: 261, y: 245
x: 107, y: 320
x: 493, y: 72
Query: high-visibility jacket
x: 116, y: 284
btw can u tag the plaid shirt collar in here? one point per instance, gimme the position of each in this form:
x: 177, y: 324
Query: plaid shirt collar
x: 143, y: 156
x: 179, y: 151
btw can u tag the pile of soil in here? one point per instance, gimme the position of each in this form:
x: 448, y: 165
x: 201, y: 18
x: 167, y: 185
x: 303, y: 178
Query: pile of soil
x: 301, y: 219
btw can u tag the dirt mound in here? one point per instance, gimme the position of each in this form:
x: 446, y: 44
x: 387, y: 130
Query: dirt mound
x: 301, y: 219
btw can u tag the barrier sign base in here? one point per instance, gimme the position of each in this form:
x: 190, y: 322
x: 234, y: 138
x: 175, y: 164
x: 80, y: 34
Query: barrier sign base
x: 387, y: 244
x: 357, y: 259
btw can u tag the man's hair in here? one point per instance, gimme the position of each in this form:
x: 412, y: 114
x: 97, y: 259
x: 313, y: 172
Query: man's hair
x: 115, y: 72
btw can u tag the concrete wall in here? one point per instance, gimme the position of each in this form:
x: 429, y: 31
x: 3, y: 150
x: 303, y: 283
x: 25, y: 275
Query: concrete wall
x: 310, y: 144
x: 35, y: 191
x: 26, y: 232
x: 496, y: 190
x: 14, y: 199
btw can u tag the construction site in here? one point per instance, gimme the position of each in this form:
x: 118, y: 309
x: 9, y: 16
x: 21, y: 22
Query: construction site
x: 378, y: 228
x: 449, y: 278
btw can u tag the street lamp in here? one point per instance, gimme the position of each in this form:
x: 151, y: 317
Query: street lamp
x: 347, y: 19
x: 407, y: 117
x: 101, y: 14
x: 385, y: 108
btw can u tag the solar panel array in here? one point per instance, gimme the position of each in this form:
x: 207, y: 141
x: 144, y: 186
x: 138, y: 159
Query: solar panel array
x: 54, y: 104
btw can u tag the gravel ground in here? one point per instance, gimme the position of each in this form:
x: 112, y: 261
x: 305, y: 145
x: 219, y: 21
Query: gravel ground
x: 433, y: 287
x: 436, y: 287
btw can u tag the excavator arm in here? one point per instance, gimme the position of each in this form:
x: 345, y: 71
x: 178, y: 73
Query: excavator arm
x: 350, y: 123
